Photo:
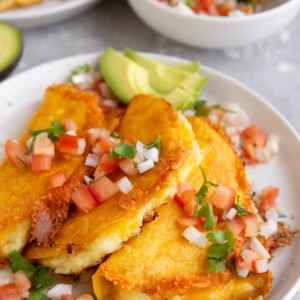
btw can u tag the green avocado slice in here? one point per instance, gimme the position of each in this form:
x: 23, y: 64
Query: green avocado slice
x: 11, y: 45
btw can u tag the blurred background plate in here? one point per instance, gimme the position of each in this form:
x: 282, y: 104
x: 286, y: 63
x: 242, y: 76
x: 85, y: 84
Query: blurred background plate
x: 49, y: 11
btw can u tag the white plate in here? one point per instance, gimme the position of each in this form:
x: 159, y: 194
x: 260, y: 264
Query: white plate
x: 49, y: 11
x: 22, y: 94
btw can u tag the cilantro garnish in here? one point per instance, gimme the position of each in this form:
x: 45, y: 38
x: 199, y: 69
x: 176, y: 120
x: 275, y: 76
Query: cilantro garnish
x: 189, y: 2
x: 217, y: 253
x: 205, y: 210
x: 202, y: 109
x: 85, y: 68
x: 135, y: 164
x: 280, y: 215
x: 240, y: 210
x: 115, y: 134
x: 39, y: 277
x: 247, y: 1
x: 231, y: 264
x: 156, y: 144
x: 55, y: 131
x: 124, y: 150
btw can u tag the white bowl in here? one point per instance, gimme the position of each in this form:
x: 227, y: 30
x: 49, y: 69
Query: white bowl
x: 214, y: 31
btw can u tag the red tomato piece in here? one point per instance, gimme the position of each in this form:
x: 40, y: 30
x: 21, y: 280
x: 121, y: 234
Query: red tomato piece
x: 255, y: 135
x: 68, y: 144
x: 67, y: 297
x: 223, y: 197
x: 185, y: 194
x: 248, y: 262
x: 41, y: 163
x: 106, y: 165
x: 268, y: 198
x: 236, y: 226
x: 21, y: 281
x: 107, y: 145
x: 251, y: 223
x: 16, y: 154
x: 70, y: 125
x: 189, y: 207
x: 189, y: 221
x: 9, y: 292
x: 127, y: 167
x: 83, y: 199
x: 57, y: 179
x: 103, y: 189
x: 43, y: 146
x: 224, y: 10
x: 85, y: 297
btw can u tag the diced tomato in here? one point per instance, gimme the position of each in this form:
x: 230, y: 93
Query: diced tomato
x: 255, y: 135
x: 224, y: 10
x: 268, y: 198
x: 189, y: 207
x: 107, y: 145
x: 223, y: 197
x: 236, y: 226
x: 130, y: 140
x: 83, y: 199
x: 103, y: 189
x: 249, y: 150
x: 251, y: 223
x: 16, y: 154
x: 248, y: 262
x: 43, y: 146
x: 85, y: 297
x: 57, y: 179
x: 67, y: 297
x: 68, y: 144
x: 9, y: 292
x: 247, y: 9
x: 22, y: 282
x: 70, y: 125
x: 186, y: 197
x: 41, y: 163
x: 189, y: 221
x: 106, y: 165
x: 127, y: 167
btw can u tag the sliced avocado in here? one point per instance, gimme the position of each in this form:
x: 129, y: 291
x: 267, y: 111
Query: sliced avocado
x: 193, y: 83
x: 123, y: 75
x: 192, y: 68
x: 180, y: 99
x: 11, y: 45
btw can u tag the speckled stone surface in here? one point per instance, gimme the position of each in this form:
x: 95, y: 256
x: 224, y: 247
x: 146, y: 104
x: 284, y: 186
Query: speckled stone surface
x: 271, y: 68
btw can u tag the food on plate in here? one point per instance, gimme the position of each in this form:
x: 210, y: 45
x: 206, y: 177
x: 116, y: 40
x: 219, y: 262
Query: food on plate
x: 19, y: 183
x: 11, y: 47
x: 10, y: 4
x: 161, y: 263
x: 231, y: 8
x: 156, y: 199
x: 133, y: 73
x: 86, y: 238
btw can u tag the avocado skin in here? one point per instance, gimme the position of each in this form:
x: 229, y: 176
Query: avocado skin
x: 9, y: 69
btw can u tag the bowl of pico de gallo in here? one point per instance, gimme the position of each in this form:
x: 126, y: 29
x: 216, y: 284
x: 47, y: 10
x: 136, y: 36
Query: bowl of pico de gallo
x: 216, y: 23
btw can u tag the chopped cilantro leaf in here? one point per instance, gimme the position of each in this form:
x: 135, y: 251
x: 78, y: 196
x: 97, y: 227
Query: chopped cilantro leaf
x: 156, y: 144
x: 135, y: 164
x: 231, y: 264
x: 240, y: 210
x: 280, y: 215
x: 202, y: 109
x: 215, y: 266
x: 124, y: 150
x: 85, y: 68
x: 38, y: 296
x: 19, y: 263
x: 40, y: 280
x: 55, y: 131
x: 115, y: 134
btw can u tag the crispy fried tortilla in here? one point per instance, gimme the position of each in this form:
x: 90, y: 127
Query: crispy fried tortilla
x: 86, y: 238
x: 24, y: 193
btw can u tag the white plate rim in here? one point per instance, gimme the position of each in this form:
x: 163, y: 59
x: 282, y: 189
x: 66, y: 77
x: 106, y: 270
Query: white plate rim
x: 83, y: 57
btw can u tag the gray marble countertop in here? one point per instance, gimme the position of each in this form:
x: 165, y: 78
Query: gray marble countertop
x: 271, y: 68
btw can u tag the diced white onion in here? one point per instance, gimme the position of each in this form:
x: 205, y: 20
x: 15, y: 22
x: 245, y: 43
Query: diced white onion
x: 82, y: 78
x: 271, y: 214
x: 140, y: 147
x: 94, y: 133
x: 87, y: 179
x: 195, y: 237
x: 230, y: 118
x: 139, y: 157
x: 242, y: 272
x: 231, y: 130
x: 256, y: 246
x: 25, y: 295
x: 145, y: 166
x: 124, y: 185
x: 58, y: 290
x: 104, y: 133
x: 242, y: 118
x: 71, y: 132
x: 231, y: 106
x: 29, y: 142
x: 268, y: 228
x: 6, y: 276
x: 273, y: 143
x: 114, y: 140
x: 81, y: 146
x: 152, y: 154
x: 189, y: 112
x: 231, y: 214
x: 98, y: 150
x: 261, y: 265
x: 236, y: 13
x: 92, y: 160
x: 213, y: 118
x: 109, y: 103
x: 42, y: 135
